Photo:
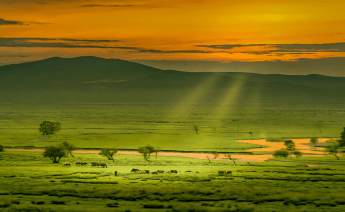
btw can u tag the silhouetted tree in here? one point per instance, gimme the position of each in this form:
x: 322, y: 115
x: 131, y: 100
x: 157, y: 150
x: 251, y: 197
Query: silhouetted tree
x: 55, y: 153
x: 314, y: 141
x: 332, y: 148
x: 230, y: 157
x: 109, y: 153
x: 68, y: 147
x: 251, y: 134
x: 290, y: 146
x: 281, y: 153
x: 342, y: 138
x: 49, y: 128
x: 196, y: 129
x: 146, y: 151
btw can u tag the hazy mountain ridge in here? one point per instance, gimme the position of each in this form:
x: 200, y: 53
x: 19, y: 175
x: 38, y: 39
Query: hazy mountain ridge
x: 119, y: 80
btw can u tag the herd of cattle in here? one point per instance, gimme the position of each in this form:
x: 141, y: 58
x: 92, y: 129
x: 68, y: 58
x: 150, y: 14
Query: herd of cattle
x: 137, y: 171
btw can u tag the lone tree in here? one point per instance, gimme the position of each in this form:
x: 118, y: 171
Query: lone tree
x: 215, y: 155
x: 1, y: 148
x: 342, y: 138
x: 314, y: 141
x: 146, y: 151
x: 49, y: 128
x: 230, y: 158
x: 281, y: 153
x: 290, y: 146
x: 68, y: 147
x: 109, y: 153
x: 251, y: 134
x: 196, y: 128
x: 55, y: 153
x: 332, y: 148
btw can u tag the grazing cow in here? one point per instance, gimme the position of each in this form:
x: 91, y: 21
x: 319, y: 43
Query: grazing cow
x: 221, y: 172
x: 83, y: 164
x: 160, y: 171
x: 65, y: 164
x: 141, y: 172
x: 115, y: 173
x: 78, y: 163
x: 103, y: 165
x: 154, y: 173
x: 173, y: 171
x: 228, y: 172
x: 94, y: 164
x: 147, y: 171
x: 135, y: 170
x: 166, y: 171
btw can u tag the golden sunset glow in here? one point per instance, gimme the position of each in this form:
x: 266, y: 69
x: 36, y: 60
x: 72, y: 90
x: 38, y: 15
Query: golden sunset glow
x: 172, y: 30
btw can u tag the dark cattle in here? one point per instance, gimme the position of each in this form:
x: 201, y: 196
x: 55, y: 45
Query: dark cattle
x: 141, y: 172
x: 83, y: 164
x: 147, y: 171
x: 78, y: 163
x: 115, y: 173
x: 66, y: 164
x: 160, y: 171
x: 103, y: 165
x: 135, y: 170
x: 154, y: 173
x: 221, y: 172
x: 94, y: 164
x: 228, y: 172
x: 173, y: 171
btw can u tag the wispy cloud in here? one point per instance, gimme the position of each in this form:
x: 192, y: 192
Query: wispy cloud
x: 271, y: 48
x: 80, y: 43
x: 7, y: 22
x: 106, y: 5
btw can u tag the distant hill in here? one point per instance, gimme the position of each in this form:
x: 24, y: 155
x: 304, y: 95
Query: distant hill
x: 92, y: 79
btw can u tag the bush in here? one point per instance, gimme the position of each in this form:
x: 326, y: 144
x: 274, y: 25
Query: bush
x: 40, y: 202
x: 1, y: 148
x: 153, y: 206
x: 49, y: 128
x: 281, y: 153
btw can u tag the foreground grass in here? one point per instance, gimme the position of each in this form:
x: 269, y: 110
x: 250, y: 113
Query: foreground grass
x: 31, y: 183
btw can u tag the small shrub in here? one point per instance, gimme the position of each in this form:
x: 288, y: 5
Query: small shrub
x: 32, y: 202
x: 1, y: 148
x: 15, y: 202
x: 39, y: 202
x: 58, y: 202
x: 152, y: 206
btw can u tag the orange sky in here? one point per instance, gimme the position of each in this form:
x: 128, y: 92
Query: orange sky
x: 172, y: 30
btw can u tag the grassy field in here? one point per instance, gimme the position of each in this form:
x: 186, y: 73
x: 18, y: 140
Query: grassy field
x: 168, y: 127
x: 30, y: 182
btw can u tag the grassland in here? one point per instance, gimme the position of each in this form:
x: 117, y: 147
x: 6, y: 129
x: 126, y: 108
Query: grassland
x: 30, y: 182
x: 169, y: 127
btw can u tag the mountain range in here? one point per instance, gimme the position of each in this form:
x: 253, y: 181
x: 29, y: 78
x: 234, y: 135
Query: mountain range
x: 93, y: 79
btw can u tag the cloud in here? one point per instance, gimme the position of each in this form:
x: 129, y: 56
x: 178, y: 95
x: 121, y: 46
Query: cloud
x: 270, y: 48
x: 102, y: 5
x: 6, y: 22
x: 79, y: 43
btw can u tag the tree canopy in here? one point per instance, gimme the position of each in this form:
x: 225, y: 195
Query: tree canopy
x: 342, y: 138
x: 314, y: 141
x: 68, y: 147
x: 281, y: 153
x: 332, y: 148
x: 49, y: 128
x: 109, y: 153
x: 146, y: 151
x: 290, y: 146
x: 55, y: 153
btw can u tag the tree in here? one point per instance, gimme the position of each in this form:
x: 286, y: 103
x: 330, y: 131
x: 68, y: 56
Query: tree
x: 1, y: 148
x: 251, y: 134
x: 68, y: 147
x: 297, y: 153
x: 55, y: 153
x: 281, y: 153
x: 314, y: 141
x: 146, y: 151
x: 332, y: 148
x: 342, y: 138
x: 196, y: 128
x: 319, y: 124
x: 109, y: 153
x: 215, y: 155
x: 290, y: 146
x: 230, y: 158
x: 49, y: 128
